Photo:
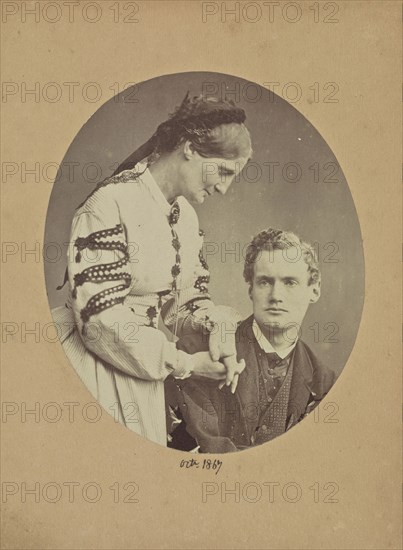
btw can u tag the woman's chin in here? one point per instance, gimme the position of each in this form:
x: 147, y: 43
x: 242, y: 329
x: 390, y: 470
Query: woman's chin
x: 198, y: 199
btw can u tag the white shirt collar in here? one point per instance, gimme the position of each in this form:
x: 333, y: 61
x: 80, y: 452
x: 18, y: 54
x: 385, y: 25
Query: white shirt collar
x: 265, y: 344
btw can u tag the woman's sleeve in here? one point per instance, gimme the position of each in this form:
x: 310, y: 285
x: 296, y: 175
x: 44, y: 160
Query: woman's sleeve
x: 194, y: 313
x: 100, y: 277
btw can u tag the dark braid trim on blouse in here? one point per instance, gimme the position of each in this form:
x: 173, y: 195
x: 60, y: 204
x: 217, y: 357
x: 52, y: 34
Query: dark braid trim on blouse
x: 102, y: 272
x: 200, y: 283
x: 192, y: 307
x: 123, y: 177
x: 202, y: 261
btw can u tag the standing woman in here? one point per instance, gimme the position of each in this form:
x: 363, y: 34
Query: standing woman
x: 135, y: 255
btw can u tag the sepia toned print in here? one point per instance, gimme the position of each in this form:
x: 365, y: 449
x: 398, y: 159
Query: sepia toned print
x: 142, y: 327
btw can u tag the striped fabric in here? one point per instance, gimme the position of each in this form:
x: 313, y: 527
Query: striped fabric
x: 114, y: 346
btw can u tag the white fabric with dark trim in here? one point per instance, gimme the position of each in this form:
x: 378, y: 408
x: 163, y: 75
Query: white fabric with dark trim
x: 121, y: 356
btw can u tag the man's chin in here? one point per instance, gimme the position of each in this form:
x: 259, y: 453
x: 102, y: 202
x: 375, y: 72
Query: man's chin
x: 274, y: 325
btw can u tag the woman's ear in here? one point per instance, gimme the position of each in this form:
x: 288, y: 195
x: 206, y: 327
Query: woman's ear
x: 188, y: 150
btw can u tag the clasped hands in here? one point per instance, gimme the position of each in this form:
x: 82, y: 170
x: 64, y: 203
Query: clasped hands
x: 220, y: 362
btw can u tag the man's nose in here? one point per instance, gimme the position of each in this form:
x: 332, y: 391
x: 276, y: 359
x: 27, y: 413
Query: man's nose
x: 275, y: 293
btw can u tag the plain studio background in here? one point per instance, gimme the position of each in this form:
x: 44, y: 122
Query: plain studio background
x: 288, y: 185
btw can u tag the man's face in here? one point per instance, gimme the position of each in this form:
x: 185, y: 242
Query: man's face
x: 202, y: 176
x: 280, y: 292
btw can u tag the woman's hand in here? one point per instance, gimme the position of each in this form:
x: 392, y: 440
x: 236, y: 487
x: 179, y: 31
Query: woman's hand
x: 206, y: 367
x: 223, y: 324
x: 233, y: 370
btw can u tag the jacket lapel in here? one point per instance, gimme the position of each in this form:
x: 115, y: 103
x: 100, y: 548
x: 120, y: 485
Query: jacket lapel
x: 301, y: 389
x: 247, y: 393
x: 305, y: 387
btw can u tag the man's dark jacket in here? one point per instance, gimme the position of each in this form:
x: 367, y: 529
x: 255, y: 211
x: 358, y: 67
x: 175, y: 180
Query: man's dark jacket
x: 223, y: 422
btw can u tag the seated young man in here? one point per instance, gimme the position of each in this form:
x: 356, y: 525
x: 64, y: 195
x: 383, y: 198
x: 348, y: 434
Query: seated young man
x: 283, y: 380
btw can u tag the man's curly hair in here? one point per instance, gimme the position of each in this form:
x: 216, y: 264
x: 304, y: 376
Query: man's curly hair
x: 276, y: 239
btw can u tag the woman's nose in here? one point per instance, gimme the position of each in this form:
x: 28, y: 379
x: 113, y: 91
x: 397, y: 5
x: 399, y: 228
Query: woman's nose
x: 221, y: 188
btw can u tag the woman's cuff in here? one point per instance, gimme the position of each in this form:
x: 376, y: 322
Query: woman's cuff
x: 184, y: 365
x: 206, y: 317
x: 224, y: 314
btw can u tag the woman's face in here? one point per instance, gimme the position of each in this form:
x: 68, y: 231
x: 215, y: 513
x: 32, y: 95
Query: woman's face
x: 202, y: 177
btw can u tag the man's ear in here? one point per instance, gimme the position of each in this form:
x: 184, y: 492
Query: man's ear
x: 315, y: 291
x: 250, y: 291
x: 188, y: 150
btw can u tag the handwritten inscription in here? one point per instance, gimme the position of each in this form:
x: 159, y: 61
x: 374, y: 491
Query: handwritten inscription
x: 205, y: 464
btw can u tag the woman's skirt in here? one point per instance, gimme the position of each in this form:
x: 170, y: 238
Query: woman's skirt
x: 138, y: 404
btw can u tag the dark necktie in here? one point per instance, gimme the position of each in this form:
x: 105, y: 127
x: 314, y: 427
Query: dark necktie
x: 276, y: 365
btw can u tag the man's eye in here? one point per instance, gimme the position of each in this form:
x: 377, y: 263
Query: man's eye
x: 291, y: 283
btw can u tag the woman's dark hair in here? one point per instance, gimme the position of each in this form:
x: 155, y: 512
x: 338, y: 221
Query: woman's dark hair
x: 215, y: 127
